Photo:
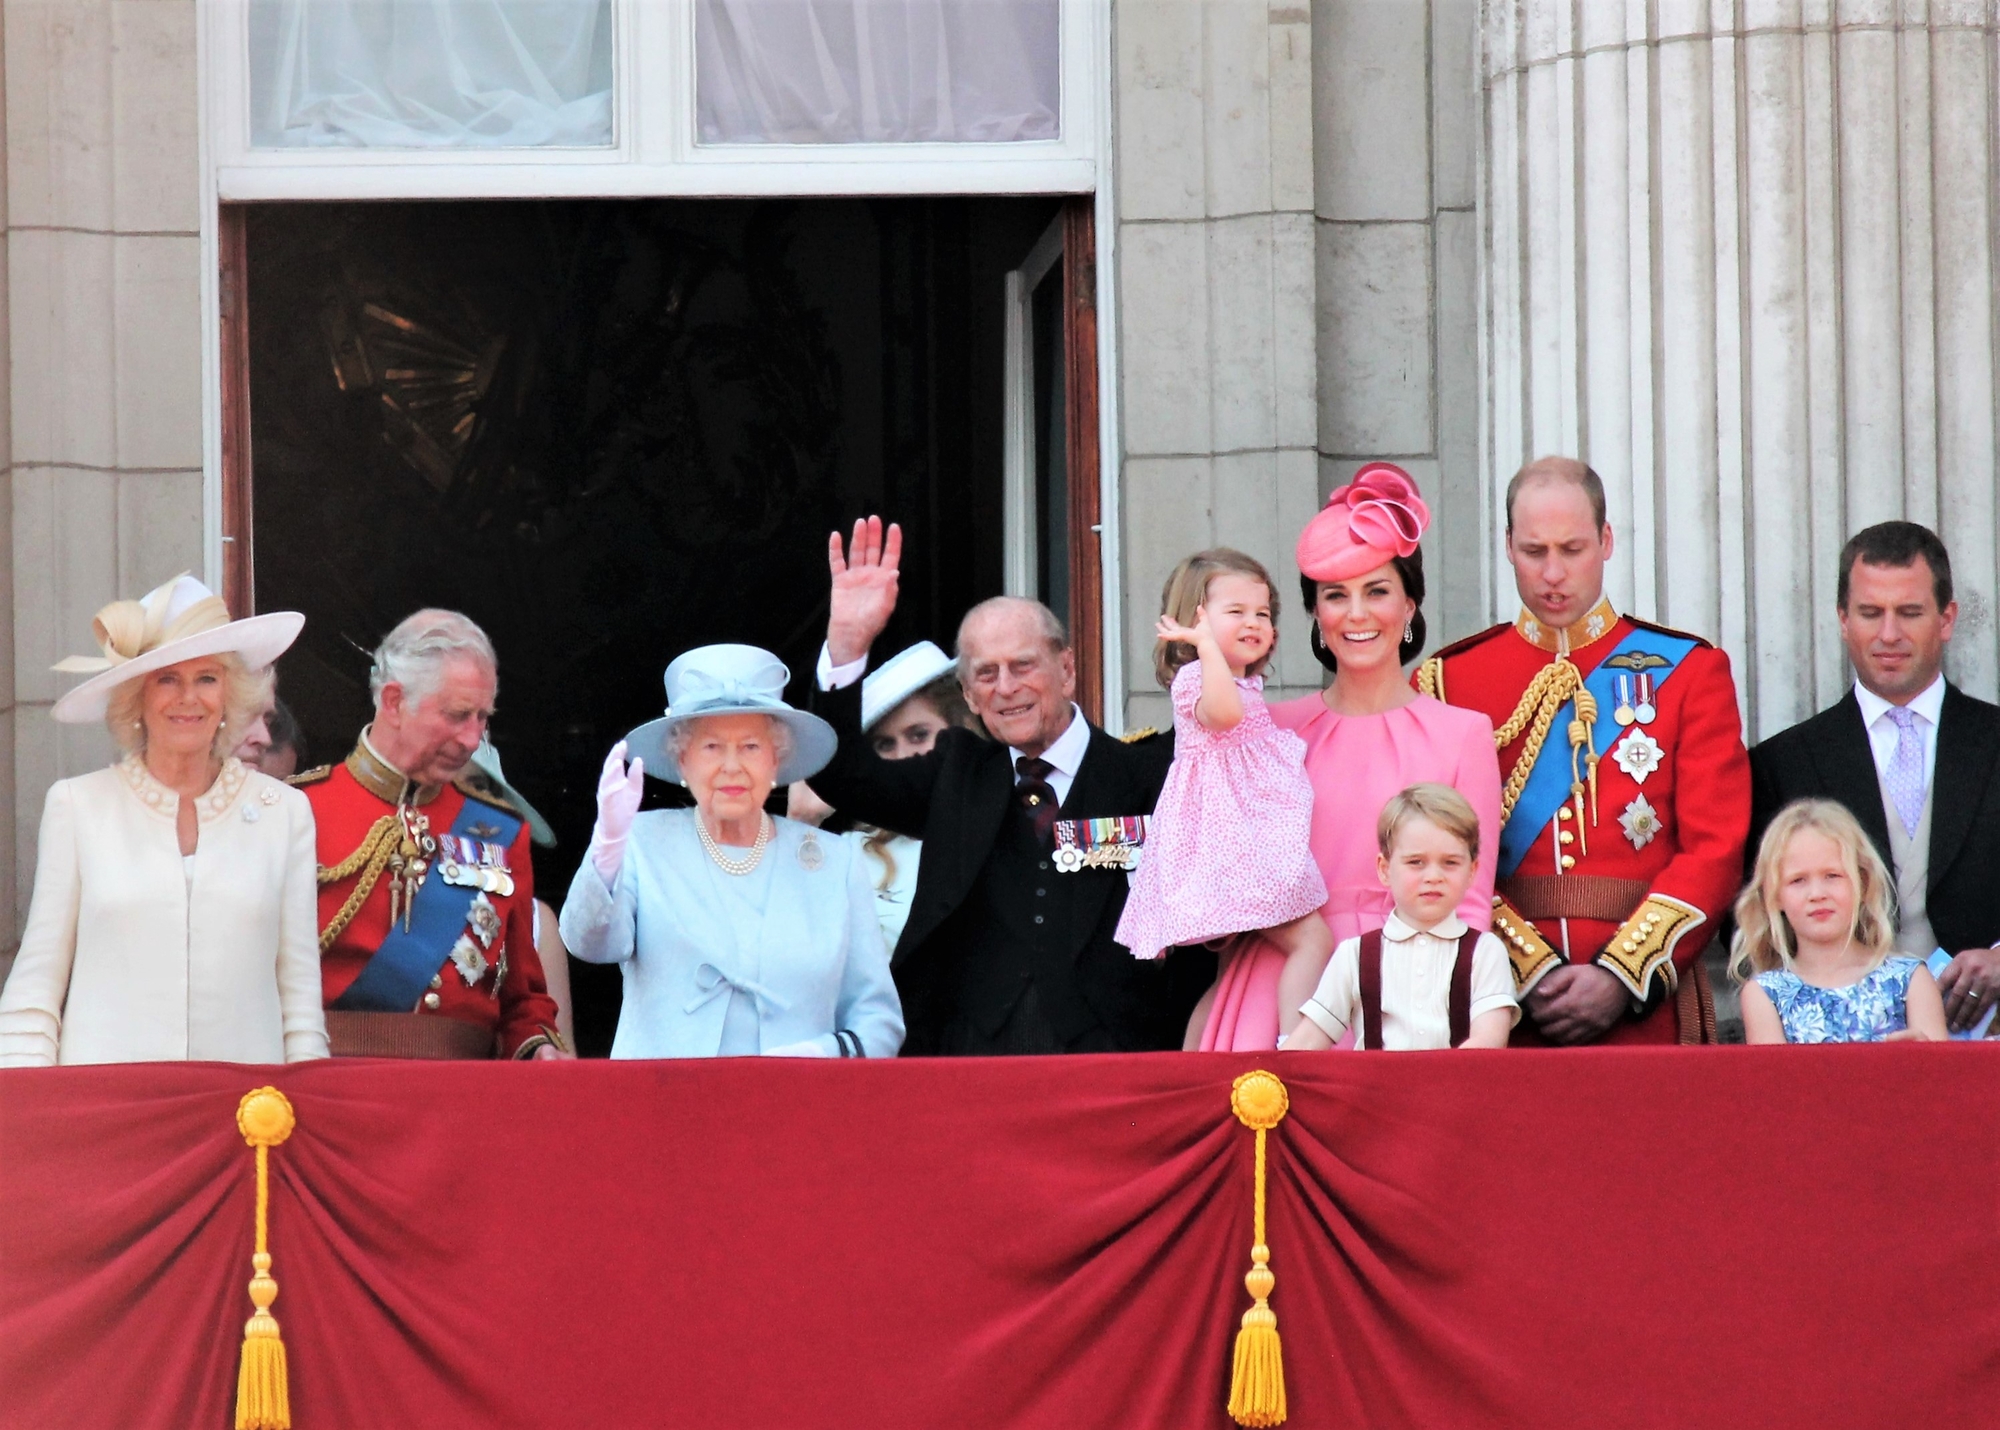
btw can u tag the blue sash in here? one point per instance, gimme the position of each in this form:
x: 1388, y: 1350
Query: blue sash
x: 1548, y: 783
x: 401, y: 969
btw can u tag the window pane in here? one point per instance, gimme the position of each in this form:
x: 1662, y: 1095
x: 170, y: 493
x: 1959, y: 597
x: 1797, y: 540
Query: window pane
x: 877, y: 71
x: 441, y: 74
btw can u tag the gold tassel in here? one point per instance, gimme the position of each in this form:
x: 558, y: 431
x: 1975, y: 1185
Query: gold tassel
x: 1257, y: 1382
x: 263, y: 1389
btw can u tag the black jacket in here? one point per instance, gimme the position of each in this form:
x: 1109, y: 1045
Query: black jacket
x: 957, y: 799
x: 1828, y: 757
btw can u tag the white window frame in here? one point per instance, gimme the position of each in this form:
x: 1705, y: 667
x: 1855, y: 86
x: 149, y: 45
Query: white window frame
x: 654, y: 156
x: 1021, y: 564
x: 654, y: 152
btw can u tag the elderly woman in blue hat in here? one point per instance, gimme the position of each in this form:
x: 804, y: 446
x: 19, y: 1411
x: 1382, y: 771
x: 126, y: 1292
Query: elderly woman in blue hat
x: 739, y: 933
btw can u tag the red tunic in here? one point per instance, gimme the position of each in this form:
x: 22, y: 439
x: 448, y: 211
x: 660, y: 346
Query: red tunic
x: 1651, y: 897
x: 510, y: 996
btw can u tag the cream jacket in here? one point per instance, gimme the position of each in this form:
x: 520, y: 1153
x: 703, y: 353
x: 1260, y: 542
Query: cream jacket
x: 126, y: 959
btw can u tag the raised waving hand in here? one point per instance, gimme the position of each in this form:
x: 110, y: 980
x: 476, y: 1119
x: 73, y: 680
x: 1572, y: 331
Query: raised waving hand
x: 864, y: 587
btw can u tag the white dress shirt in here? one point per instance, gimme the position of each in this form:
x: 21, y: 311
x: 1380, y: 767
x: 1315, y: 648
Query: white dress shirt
x: 1416, y: 984
x: 1066, y: 754
x: 1882, y: 731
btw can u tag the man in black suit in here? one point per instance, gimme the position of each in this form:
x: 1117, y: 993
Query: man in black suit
x: 1002, y: 953
x: 1915, y: 759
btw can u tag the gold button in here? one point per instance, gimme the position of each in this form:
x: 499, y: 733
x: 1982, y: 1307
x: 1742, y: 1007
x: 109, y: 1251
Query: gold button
x: 431, y: 1000
x: 1498, y: 901
x: 1569, y: 861
x: 1563, y: 813
x: 1566, y: 837
x: 1631, y: 945
x: 437, y: 980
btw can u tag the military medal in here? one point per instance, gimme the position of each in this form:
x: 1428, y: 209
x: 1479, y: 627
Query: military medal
x: 470, y: 962
x: 1638, y: 754
x: 1641, y: 822
x: 484, y: 919
x: 1623, y: 714
x: 1110, y: 843
x: 1645, y: 712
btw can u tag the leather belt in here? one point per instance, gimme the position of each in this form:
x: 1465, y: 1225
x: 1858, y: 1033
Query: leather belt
x: 1574, y: 896
x: 404, y: 1035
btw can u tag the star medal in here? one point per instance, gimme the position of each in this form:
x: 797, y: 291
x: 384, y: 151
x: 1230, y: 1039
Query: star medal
x: 485, y: 920
x: 1645, y: 712
x: 470, y: 962
x: 1641, y: 822
x: 1623, y: 714
x: 1638, y: 754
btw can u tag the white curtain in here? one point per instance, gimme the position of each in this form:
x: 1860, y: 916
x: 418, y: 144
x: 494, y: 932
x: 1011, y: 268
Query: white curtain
x: 428, y: 74
x: 877, y: 71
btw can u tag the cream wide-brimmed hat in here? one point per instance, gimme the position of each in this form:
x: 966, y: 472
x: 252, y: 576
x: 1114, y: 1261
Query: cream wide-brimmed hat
x: 899, y: 677
x: 733, y: 680
x: 181, y: 620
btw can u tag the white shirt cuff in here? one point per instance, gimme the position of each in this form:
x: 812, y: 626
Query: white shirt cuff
x: 1321, y: 1015
x: 832, y: 677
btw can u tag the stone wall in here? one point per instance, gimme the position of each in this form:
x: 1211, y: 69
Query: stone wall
x: 103, y: 396
x: 1296, y: 289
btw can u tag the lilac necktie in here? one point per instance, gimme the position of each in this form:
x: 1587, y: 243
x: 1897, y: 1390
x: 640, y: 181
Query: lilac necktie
x: 1906, y: 768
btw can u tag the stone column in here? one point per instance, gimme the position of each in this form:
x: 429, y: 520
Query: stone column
x: 1740, y: 255
x: 1214, y: 175
x: 103, y: 391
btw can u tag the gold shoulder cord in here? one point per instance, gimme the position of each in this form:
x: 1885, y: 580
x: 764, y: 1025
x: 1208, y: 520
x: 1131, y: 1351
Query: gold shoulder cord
x: 1553, y: 686
x: 369, y: 860
x: 1430, y: 678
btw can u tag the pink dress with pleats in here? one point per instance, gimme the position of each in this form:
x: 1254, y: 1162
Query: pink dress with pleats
x: 1355, y: 763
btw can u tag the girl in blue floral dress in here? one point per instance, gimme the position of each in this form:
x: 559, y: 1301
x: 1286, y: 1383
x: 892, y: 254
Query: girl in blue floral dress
x: 1814, y: 936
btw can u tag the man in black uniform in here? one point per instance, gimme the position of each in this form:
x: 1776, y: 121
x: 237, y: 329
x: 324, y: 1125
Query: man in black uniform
x: 1003, y: 952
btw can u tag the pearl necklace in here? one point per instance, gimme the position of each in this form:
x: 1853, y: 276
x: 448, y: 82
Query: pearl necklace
x: 723, y: 861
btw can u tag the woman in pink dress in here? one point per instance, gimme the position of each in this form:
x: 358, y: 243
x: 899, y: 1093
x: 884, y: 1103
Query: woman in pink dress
x: 1367, y: 735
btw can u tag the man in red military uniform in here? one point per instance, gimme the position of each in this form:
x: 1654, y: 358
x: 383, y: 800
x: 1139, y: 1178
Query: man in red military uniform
x: 427, y: 893
x: 1626, y: 788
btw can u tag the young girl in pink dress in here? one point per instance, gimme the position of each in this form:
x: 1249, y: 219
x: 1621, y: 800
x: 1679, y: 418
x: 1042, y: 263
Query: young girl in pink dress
x: 1228, y: 847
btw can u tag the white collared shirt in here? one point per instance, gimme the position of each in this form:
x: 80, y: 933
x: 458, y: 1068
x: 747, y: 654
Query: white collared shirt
x: 1066, y: 754
x: 1416, y: 984
x: 1882, y: 731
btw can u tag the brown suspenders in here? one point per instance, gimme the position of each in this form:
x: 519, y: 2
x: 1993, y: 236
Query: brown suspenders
x: 1460, y: 1006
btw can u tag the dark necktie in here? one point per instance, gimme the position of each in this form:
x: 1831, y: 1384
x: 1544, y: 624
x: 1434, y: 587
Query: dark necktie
x: 1037, y: 795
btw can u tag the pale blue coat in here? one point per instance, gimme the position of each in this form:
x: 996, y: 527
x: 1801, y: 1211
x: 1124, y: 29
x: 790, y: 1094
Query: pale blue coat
x: 723, y: 965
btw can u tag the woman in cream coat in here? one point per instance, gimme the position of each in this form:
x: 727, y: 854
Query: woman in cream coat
x: 175, y: 907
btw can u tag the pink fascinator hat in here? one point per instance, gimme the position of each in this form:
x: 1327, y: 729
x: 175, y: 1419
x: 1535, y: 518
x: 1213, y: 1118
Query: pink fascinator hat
x: 1367, y: 523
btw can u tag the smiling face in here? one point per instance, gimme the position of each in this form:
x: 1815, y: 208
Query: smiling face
x: 1816, y: 893
x: 1894, y: 632
x: 1558, y: 551
x: 1238, y: 608
x: 910, y: 729
x: 730, y: 765
x: 183, y: 705
x: 1427, y: 871
x: 1362, y: 620
x: 1018, y: 685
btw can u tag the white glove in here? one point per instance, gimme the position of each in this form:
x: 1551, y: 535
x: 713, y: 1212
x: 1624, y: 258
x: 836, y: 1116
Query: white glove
x: 619, y: 791
x: 808, y: 1049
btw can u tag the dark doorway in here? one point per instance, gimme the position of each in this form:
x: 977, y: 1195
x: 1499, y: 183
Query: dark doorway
x: 610, y: 431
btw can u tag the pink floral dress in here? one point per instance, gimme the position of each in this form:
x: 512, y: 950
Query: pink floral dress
x: 1229, y: 847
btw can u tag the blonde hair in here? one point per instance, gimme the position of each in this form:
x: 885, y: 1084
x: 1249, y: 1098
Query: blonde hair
x: 244, y: 693
x: 1187, y: 589
x: 1434, y: 804
x: 1765, y: 940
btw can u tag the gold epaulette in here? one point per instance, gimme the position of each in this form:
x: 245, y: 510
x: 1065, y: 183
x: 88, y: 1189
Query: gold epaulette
x: 1530, y: 953
x: 1430, y: 678
x: 1644, y: 945
x: 1133, y: 737
x: 474, y: 781
x: 310, y: 777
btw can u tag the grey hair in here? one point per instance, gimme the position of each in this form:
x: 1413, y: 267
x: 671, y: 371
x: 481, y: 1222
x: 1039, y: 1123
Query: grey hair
x: 413, y: 654
x: 1051, y: 625
x: 682, y: 735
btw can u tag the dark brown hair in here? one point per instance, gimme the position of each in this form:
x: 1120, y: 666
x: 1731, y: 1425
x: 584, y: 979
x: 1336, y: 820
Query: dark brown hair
x: 1896, y: 543
x: 1410, y: 571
